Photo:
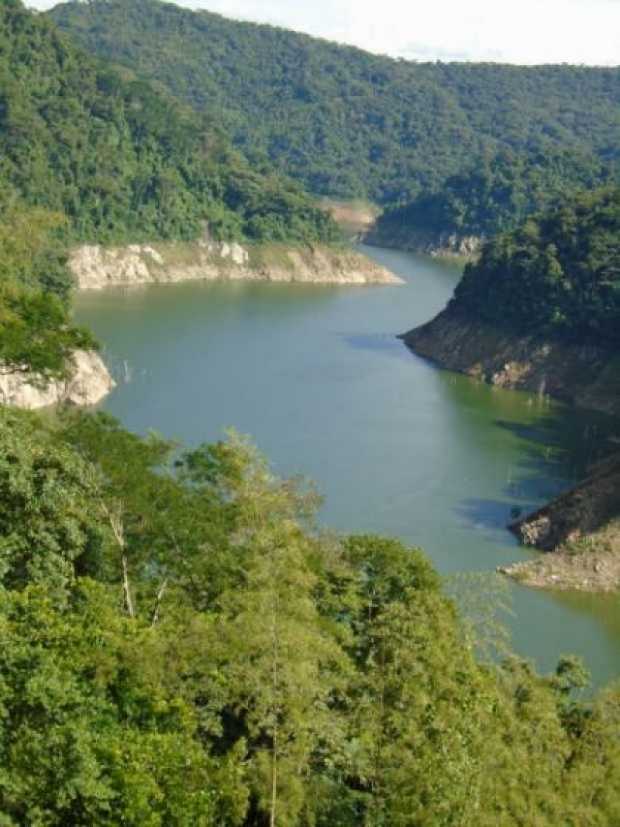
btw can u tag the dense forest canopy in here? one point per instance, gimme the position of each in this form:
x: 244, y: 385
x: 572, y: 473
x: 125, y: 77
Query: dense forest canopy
x: 37, y: 335
x: 88, y: 153
x: 122, y: 161
x: 181, y: 647
x: 558, y: 273
x: 497, y: 196
x: 345, y: 122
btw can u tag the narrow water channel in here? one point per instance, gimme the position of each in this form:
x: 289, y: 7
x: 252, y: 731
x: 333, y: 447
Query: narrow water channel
x: 317, y: 377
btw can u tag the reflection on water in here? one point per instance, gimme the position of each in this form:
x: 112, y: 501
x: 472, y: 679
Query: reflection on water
x: 316, y: 375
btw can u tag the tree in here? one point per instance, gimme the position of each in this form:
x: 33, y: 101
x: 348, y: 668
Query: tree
x: 282, y: 666
x: 37, y: 337
x: 48, y: 531
x: 104, y: 156
x: 557, y: 274
x: 90, y: 732
x: 284, y: 677
x: 420, y: 704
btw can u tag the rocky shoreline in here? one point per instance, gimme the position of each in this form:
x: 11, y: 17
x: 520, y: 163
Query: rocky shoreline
x: 450, y: 246
x: 95, y: 266
x: 88, y: 383
x: 593, y: 569
x: 580, y: 530
x: 584, y: 375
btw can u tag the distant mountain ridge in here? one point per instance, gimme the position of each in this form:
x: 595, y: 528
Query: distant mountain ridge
x: 345, y: 122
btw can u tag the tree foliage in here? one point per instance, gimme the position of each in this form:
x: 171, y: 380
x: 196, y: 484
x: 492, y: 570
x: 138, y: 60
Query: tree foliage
x: 559, y: 273
x: 497, y: 196
x: 344, y: 122
x: 37, y: 336
x: 121, y: 160
x: 281, y: 677
x: 180, y: 644
x: 90, y: 153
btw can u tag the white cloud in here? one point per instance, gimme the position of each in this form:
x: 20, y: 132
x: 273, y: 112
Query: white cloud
x: 515, y: 31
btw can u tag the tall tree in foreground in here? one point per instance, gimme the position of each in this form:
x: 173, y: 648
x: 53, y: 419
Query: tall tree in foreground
x: 282, y: 665
x: 420, y: 704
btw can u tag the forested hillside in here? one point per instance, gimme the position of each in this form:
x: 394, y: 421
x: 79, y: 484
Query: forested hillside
x: 122, y: 161
x: 344, y: 122
x: 36, y: 333
x: 558, y: 274
x: 87, y: 153
x: 496, y: 197
x: 180, y: 647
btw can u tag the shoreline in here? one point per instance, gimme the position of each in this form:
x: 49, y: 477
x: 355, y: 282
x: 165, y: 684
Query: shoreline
x: 448, y: 247
x: 583, y: 375
x: 88, y: 384
x: 95, y: 267
x: 595, y: 571
x: 578, y: 533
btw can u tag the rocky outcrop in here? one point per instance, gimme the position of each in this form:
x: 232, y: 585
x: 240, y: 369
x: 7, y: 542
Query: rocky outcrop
x: 443, y: 245
x: 94, y: 266
x: 596, y: 568
x: 88, y: 383
x: 585, y: 375
x: 581, y: 529
x: 581, y: 511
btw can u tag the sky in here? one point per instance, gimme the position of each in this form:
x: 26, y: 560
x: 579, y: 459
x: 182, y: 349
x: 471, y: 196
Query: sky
x: 511, y: 31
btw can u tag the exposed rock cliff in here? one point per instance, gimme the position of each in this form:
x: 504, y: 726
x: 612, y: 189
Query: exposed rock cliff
x: 444, y: 245
x: 582, y: 529
x: 582, y: 510
x: 88, y: 384
x: 96, y: 267
x: 585, y: 375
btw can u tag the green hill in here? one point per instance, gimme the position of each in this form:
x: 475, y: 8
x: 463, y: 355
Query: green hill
x: 88, y: 153
x: 345, y: 122
x: 121, y: 160
x: 496, y: 197
x: 559, y: 273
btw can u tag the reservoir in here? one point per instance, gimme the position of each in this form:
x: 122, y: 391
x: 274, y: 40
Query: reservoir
x: 317, y: 377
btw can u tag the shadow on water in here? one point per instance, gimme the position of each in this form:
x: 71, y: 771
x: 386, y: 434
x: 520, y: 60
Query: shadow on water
x: 559, y: 452
x: 541, y: 475
x: 571, y: 442
x: 554, y: 447
x: 492, y: 516
x: 377, y: 343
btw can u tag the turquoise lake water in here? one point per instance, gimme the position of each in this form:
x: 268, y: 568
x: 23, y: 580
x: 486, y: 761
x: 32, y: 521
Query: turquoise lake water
x: 318, y: 378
